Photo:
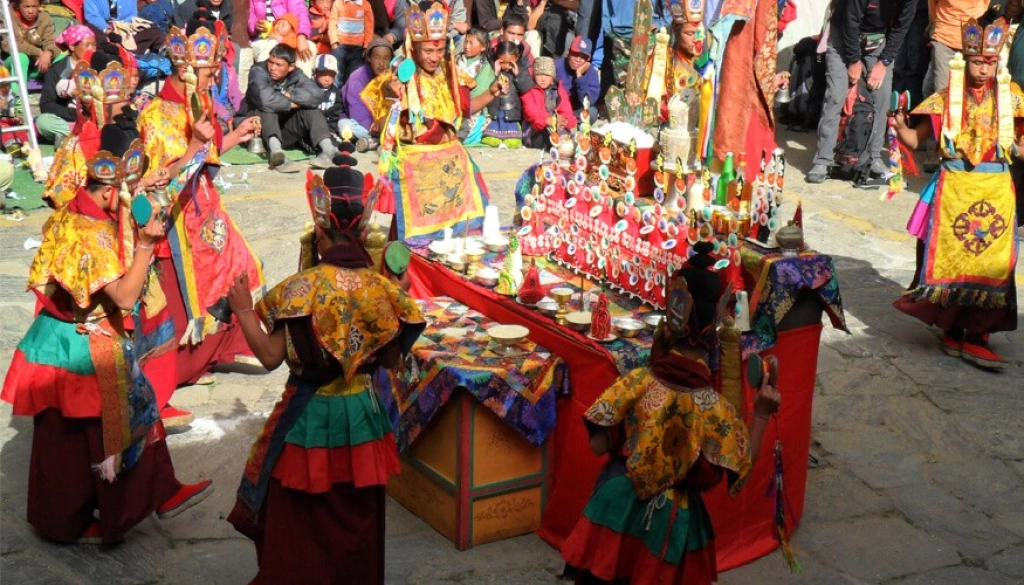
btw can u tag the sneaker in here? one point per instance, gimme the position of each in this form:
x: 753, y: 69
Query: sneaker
x: 878, y: 168
x: 188, y: 495
x: 367, y: 144
x: 817, y: 174
x: 91, y: 535
x: 980, y: 355
x: 872, y: 181
x: 175, y: 419
x: 324, y: 160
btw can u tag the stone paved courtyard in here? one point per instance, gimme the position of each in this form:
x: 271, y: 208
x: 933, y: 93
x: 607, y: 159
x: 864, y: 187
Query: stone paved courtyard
x: 919, y: 457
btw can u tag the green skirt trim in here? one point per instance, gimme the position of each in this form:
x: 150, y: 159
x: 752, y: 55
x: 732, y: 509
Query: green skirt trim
x: 339, y: 421
x: 52, y: 342
x: 615, y: 505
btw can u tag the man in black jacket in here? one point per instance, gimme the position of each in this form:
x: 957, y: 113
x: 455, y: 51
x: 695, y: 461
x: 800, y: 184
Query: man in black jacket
x: 288, y: 104
x: 56, y: 103
x: 864, y: 38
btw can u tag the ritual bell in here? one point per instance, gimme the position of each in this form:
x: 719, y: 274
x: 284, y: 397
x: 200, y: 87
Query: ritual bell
x: 783, y: 96
x: 256, y: 146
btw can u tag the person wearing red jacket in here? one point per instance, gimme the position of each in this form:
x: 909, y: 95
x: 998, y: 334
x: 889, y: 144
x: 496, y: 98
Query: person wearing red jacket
x: 546, y: 99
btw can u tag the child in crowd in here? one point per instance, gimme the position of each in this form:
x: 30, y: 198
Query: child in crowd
x: 506, y: 111
x: 577, y: 76
x: 513, y: 30
x: 10, y: 114
x: 357, y: 116
x: 36, y: 37
x: 474, y: 64
x: 545, y: 100
x: 325, y: 73
x: 319, y: 14
x: 283, y: 32
x: 350, y: 29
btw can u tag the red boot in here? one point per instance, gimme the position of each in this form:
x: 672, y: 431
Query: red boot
x: 188, y: 495
x: 91, y: 535
x: 977, y: 352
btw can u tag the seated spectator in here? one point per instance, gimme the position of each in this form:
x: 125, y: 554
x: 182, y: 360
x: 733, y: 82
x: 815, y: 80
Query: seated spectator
x: 349, y: 28
x: 319, y: 12
x: 325, y: 73
x: 357, y: 115
x: 56, y: 102
x: 552, y: 19
x: 487, y: 14
x: 282, y: 32
x: 288, y: 104
x: 227, y: 97
x: 104, y: 16
x: 473, y: 63
x: 221, y: 10
x: 10, y: 114
x: 159, y: 12
x: 506, y: 112
x: 34, y: 33
x: 577, y: 76
x: 262, y: 15
x: 547, y: 100
x: 513, y: 30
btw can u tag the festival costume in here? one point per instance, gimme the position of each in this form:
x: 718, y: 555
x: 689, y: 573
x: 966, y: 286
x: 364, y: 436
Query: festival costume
x: 965, y: 215
x: 68, y: 171
x: 672, y: 436
x: 98, y: 441
x: 429, y: 182
x: 312, y: 494
x: 204, y: 253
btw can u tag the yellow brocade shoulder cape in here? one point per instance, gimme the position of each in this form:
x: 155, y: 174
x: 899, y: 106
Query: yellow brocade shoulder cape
x: 78, y: 254
x: 354, y: 312
x: 67, y: 173
x: 980, y: 126
x: 164, y: 126
x: 435, y: 95
x: 667, y: 430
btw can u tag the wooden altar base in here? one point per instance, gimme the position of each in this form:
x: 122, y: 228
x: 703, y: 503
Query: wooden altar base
x: 472, y: 477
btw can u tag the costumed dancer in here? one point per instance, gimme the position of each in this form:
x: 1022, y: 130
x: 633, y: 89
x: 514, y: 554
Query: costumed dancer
x: 312, y: 493
x: 964, y: 221
x: 671, y: 436
x: 204, y: 253
x: 419, y: 133
x: 97, y: 443
x: 68, y: 171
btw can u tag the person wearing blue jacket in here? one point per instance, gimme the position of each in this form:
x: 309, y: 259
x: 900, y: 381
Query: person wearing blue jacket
x: 101, y: 14
x: 578, y: 76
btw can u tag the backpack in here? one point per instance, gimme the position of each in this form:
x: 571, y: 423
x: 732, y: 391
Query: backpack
x: 852, y: 156
x: 806, y: 86
x: 153, y: 67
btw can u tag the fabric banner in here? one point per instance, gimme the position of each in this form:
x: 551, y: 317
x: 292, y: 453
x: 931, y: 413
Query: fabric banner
x: 436, y: 186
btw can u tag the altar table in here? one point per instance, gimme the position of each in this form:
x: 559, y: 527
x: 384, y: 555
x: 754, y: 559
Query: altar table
x: 743, y: 524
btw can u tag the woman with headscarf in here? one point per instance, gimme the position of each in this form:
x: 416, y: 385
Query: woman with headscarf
x: 312, y: 493
x: 57, y: 100
x: 671, y: 436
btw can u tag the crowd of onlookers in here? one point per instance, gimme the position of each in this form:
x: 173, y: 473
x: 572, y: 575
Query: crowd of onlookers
x: 303, y: 67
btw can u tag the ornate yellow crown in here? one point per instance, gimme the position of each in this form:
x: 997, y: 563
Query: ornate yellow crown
x: 111, y: 85
x: 319, y: 197
x: 108, y: 169
x: 202, y: 49
x: 686, y: 10
x: 84, y: 78
x: 431, y: 26
x: 987, y: 42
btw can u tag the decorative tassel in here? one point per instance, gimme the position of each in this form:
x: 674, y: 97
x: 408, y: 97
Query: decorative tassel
x: 106, y: 468
x: 780, y: 512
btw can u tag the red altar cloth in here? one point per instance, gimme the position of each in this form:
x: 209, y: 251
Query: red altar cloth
x: 742, y: 525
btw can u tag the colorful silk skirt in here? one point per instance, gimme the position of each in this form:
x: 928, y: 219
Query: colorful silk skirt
x: 667, y: 540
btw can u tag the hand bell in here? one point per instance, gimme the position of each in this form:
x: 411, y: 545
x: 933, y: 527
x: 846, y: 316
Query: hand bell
x: 783, y: 96
x: 256, y: 146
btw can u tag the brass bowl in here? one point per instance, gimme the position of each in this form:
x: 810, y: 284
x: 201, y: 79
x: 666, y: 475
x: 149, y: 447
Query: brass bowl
x: 626, y: 327
x: 457, y: 262
x: 562, y: 295
x: 499, y: 244
x: 578, y: 321
x: 474, y: 255
x: 507, y: 336
x: 547, y: 308
x: 487, y: 277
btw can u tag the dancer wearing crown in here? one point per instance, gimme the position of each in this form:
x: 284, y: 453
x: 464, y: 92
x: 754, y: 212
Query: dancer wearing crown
x: 312, y: 494
x: 430, y: 183
x: 97, y: 443
x: 670, y: 436
x: 965, y: 218
x: 204, y: 252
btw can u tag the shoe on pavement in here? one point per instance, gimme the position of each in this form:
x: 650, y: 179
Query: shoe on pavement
x: 206, y: 380
x: 175, y: 419
x: 817, y: 174
x: 982, y: 356
x: 324, y: 160
x: 91, y: 535
x: 952, y: 346
x: 878, y: 168
x: 276, y: 159
x: 188, y: 495
x: 367, y: 144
